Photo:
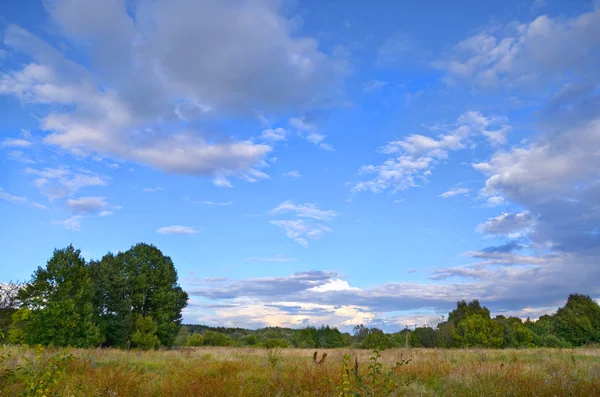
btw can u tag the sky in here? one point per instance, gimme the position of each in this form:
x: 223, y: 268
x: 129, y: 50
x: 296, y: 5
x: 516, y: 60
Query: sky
x: 308, y: 162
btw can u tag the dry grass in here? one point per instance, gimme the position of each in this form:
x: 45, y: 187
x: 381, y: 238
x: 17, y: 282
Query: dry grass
x: 292, y: 372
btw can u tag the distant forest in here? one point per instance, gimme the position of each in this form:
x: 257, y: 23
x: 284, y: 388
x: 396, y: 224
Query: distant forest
x: 132, y: 300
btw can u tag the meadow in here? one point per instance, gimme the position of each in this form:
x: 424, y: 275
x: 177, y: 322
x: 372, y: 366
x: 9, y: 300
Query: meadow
x: 228, y: 371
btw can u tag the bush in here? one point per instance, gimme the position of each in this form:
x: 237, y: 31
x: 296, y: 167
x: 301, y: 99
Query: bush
x: 212, y: 338
x: 554, y: 341
x: 195, y: 340
x: 145, y: 337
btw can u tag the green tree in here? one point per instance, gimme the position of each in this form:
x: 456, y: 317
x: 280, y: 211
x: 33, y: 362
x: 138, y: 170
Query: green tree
x: 182, y: 337
x: 60, y: 299
x: 578, y: 322
x: 141, y: 281
x: 477, y: 331
x: 377, y: 339
x: 145, y: 337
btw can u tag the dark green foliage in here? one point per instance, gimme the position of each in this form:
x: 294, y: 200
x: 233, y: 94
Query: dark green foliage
x: 377, y: 339
x: 423, y: 337
x: 212, y: 338
x: 578, y: 322
x: 60, y: 298
x: 141, y: 281
x: 124, y: 300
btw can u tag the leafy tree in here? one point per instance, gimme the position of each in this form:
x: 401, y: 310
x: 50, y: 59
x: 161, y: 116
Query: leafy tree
x: 195, y: 340
x: 9, y: 304
x: 422, y: 337
x: 141, y: 281
x: 273, y: 343
x: 250, y: 340
x: 578, y: 322
x: 16, y: 333
x: 60, y: 299
x: 377, y: 339
x: 478, y: 331
x: 145, y: 337
x: 464, y: 310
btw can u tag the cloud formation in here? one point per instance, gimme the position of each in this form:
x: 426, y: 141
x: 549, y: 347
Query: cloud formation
x: 176, y: 229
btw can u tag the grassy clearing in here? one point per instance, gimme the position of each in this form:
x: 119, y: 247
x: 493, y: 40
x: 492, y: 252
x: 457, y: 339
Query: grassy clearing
x: 296, y: 372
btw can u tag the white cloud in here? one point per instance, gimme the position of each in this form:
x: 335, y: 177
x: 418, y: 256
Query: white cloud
x: 494, y: 201
x: 19, y: 155
x: 214, y: 204
x: 153, y: 189
x: 251, y: 61
x: 306, y: 210
x: 334, y: 284
x: 293, y: 174
x: 106, y: 213
x: 86, y: 205
x: 20, y: 200
x: 14, y: 142
x: 527, y: 54
x: 176, y: 229
x: 62, y: 182
x: 455, y: 192
x: 416, y: 155
x: 300, y: 230
x: 221, y: 181
x: 508, y: 224
x: 72, y: 223
x: 274, y: 135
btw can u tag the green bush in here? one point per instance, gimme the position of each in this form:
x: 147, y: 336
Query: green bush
x: 195, y: 340
x: 212, y: 338
x: 145, y: 337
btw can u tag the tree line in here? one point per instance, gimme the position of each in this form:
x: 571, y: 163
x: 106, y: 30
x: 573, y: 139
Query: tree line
x: 132, y: 300
x: 468, y: 325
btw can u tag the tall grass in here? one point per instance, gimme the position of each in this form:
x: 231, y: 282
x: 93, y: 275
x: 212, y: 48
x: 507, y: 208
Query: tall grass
x: 297, y: 372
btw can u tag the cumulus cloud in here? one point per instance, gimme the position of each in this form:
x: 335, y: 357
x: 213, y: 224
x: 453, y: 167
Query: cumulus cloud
x: 191, y: 65
x: 508, y: 223
x: 416, y: 155
x: 177, y: 229
x: 308, y: 130
x: 519, y: 54
x: 455, y: 192
x: 274, y: 134
x: 4, y: 195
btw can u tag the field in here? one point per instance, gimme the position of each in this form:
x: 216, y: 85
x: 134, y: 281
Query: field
x: 298, y: 372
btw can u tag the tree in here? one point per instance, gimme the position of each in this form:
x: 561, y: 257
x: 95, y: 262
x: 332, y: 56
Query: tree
x: 9, y: 304
x: 377, y: 339
x: 144, y: 336
x: 478, y: 331
x: 464, y: 310
x: 182, y: 337
x: 195, y: 340
x: 578, y: 322
x: 141, y: 281
x: 60, y: 299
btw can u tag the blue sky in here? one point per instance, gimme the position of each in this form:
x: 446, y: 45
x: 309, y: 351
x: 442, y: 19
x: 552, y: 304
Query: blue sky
x: 305, y: 162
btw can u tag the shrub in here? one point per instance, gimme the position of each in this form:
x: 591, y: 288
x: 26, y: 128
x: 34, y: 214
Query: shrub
x: 212, y: 338
x: 195, y: 340
x: 145, y: 337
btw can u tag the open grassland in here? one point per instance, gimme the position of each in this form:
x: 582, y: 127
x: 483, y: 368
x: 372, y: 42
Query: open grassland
x: 297, y: 372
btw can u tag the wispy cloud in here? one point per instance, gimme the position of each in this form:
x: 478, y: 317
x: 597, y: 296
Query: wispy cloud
x: 274, y: 259
x: 293, y: 174
x: 4, y: 195
x: 177, y: 229
x: 153, y: 189
x: 455, y: 192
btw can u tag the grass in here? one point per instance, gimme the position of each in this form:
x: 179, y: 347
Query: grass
x: 296, y: 372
